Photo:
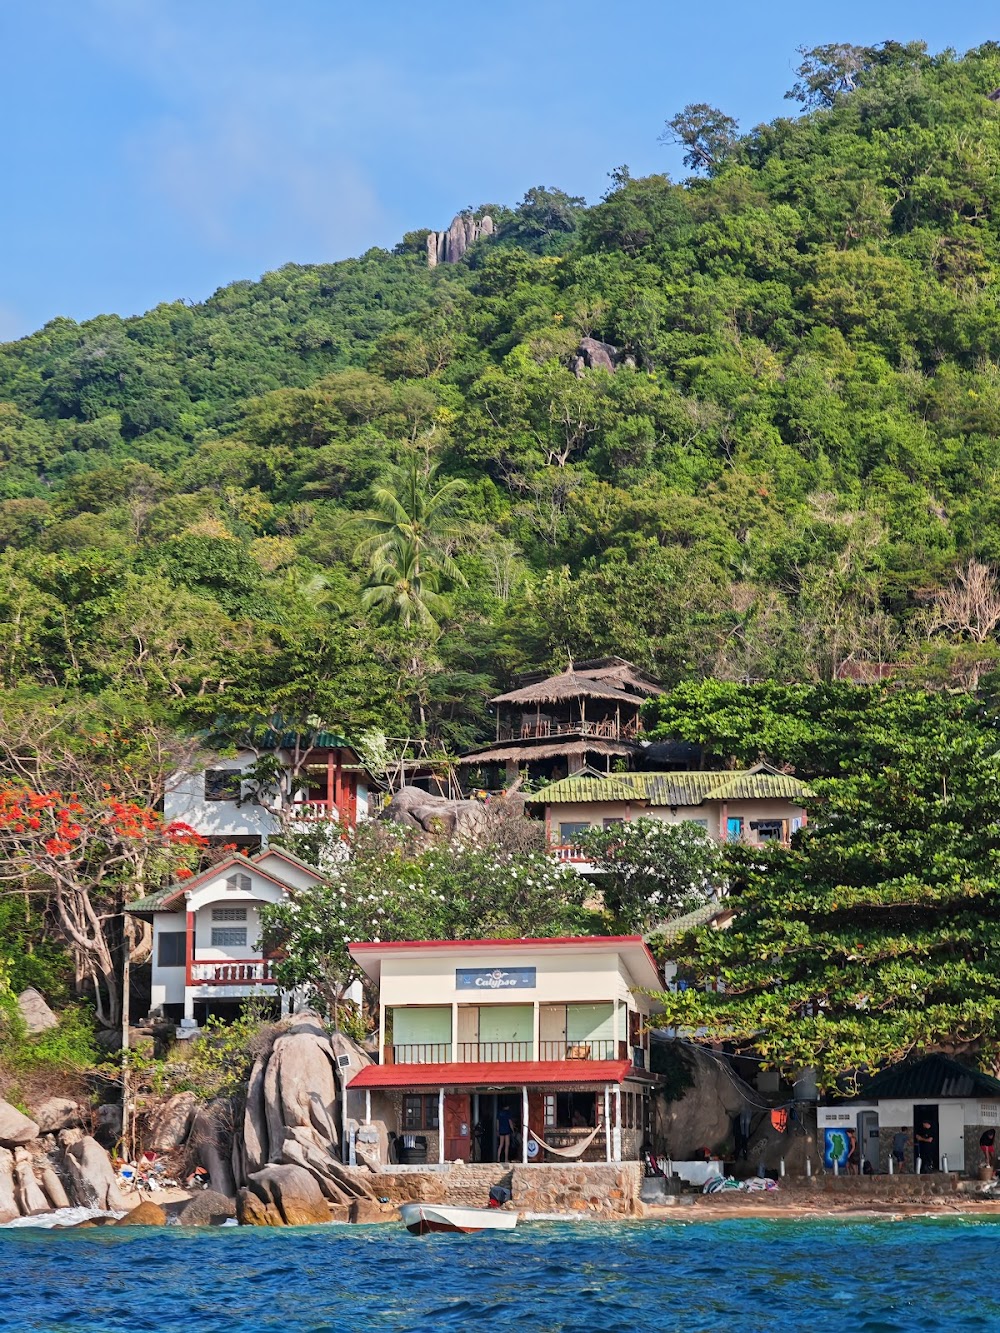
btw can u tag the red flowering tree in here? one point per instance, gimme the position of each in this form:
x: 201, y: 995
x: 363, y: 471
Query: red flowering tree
x: 89, y: 856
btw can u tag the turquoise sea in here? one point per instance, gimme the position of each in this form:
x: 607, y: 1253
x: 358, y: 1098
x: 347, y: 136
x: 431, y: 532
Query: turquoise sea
x: 739, y: 1276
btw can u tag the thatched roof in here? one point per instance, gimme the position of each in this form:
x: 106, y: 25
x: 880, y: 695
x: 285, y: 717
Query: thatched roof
x: 619, y: 673
x: 552, y: 750
x: 566, y: 686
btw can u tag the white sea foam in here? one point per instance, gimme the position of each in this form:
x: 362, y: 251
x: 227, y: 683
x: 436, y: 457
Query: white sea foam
x: 62, y: 1217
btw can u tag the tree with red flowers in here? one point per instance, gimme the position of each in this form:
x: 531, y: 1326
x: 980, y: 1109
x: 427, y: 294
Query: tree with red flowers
x: 89, y: 857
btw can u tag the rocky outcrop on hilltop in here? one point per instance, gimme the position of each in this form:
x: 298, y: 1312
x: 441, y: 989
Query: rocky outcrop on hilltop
x: 591, y: 354
x: 448, y: 247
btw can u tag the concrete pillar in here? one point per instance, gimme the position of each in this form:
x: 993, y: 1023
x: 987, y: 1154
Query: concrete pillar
x: 524, y: 1119
x: 617, y: 1136
x: 441, y: 1126
x: 380, y: 1058
x: 368, y: 1106
x: 607, y: 1122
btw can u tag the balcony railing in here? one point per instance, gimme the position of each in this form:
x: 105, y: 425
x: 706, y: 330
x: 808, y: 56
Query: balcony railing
x: 420, y: 1053
x: 592, y: 1049
x: 232, y: 972
x: 565, y: 851
x: 608, y: 729
x: 503, y: 1052
x: 494, y: 1051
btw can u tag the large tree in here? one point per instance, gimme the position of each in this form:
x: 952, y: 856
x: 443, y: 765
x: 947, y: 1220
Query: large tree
x: 877, y: 934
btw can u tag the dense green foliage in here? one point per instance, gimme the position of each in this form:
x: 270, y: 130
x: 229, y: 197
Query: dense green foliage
x: 797, y: 454
x: 877, y: 934
x: 650, y: 870
x: 392, y: 885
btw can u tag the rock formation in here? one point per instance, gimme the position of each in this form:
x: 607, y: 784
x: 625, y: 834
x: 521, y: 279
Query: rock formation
x: 144, y: 1214
x: 37, y: 1015
x: 448, y: 247
x: 56, y: 1113
x: 210, y: 1144
x: 207, y: 1208
x: 169, y: 1124
x: 15, y: 1129
x: 435, y: 814
x: 282, y: 1196
x: 292, y: 1120
x: 90, y: 1173
x: 594, y: 355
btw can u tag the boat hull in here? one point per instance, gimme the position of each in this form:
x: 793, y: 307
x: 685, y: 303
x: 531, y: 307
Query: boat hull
x: 420, y: 1219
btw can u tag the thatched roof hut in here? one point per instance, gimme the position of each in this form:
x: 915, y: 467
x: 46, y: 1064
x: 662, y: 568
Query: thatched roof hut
x: 565, y: 687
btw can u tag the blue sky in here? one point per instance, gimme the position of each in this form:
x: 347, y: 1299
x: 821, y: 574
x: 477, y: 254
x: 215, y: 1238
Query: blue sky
x: 157, y: 149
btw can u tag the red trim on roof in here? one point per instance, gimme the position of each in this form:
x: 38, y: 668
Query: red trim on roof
x: 513, y: 1073
x: 528, y: 942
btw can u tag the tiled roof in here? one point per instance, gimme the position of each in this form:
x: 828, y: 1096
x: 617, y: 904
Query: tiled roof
x: 928, y: 1079
x: 509, y: 1074
x: 665, y: 789
x: 174, y: 893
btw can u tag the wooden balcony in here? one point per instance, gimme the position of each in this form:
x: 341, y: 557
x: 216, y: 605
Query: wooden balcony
x: 606, y: 729
x: 503, y: 1052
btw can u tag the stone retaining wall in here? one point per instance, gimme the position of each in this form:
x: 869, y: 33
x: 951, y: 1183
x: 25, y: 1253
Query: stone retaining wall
x: 595, y: 1187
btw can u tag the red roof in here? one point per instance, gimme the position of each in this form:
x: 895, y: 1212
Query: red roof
x: 493, y: 1074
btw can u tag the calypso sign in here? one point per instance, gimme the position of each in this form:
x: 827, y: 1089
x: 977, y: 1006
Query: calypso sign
x: 494, y: 978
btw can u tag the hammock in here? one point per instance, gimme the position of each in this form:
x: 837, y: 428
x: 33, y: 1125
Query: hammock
x: 577, y: 1150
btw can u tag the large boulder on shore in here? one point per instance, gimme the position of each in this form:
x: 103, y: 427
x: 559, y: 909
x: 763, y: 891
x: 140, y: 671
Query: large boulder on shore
x: 145, y: 1214
x: 282, y: 1196
x: 702, y: 1117
x: 91, y: 1174
x: 167, y: 1128
x: 37, y: 1015
x: 15, y: 1129
x: 30, y: 1195
x: 209, y: 1144
x: 8, y: 1201
x: 206, y: 1208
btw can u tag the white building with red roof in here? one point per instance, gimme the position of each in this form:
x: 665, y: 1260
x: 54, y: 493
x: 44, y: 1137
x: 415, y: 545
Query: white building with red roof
x: 207, y: 956
x: 546, y: 1034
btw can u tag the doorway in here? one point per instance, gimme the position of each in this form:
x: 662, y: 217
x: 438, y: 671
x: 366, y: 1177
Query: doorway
x: 868, y: 1138
x: 927, y: 1153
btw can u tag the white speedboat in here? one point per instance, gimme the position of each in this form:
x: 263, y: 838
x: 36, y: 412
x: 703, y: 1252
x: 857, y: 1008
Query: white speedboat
x: 420, y: 1218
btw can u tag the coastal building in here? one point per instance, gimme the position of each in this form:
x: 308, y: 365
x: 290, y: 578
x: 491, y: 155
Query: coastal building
x: 755, y: 806
x: 585, y: 718
x: 285, y: 780
x: 957, y: 1103
x: 551, y: 1033
x: 206, y: 954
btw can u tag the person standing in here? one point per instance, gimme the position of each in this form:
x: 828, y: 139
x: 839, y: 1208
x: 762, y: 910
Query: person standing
x: 899, y: 1149
x: 505, y: 1127
x: 987, y: 1145
x: 923, y: 1151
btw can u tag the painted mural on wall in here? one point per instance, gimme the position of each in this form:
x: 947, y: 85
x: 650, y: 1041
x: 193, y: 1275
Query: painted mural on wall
x: 838, y: 1144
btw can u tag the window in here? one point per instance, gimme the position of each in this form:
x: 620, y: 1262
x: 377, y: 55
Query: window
x: 239, y: 883
x: 229, y: 937
x: 613, y: 823
x: 576, y: 1110
x: 229, y: 913
x: 420, y: 1111
x: 171, y: 947
x: 223, y: 784
x: 568, y: 833
x: 702, y: 823
x: 550, y: 1110
x: 767, y: 830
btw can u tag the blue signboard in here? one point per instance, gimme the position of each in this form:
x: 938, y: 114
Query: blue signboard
x: 494, y: 978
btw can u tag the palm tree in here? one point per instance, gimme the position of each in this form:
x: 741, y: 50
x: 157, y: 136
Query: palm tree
x: 408, y: 536
x: 400, y: 590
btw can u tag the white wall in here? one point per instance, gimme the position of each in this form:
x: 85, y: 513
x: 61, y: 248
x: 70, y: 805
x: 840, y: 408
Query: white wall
x: 184, y: 801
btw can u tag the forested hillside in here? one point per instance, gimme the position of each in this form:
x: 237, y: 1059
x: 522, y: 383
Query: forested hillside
x: 373, y: 490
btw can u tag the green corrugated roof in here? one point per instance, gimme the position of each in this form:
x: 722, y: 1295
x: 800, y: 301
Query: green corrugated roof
x: 664, y: 789
x: 677, y: 925
x: 154, y: 902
